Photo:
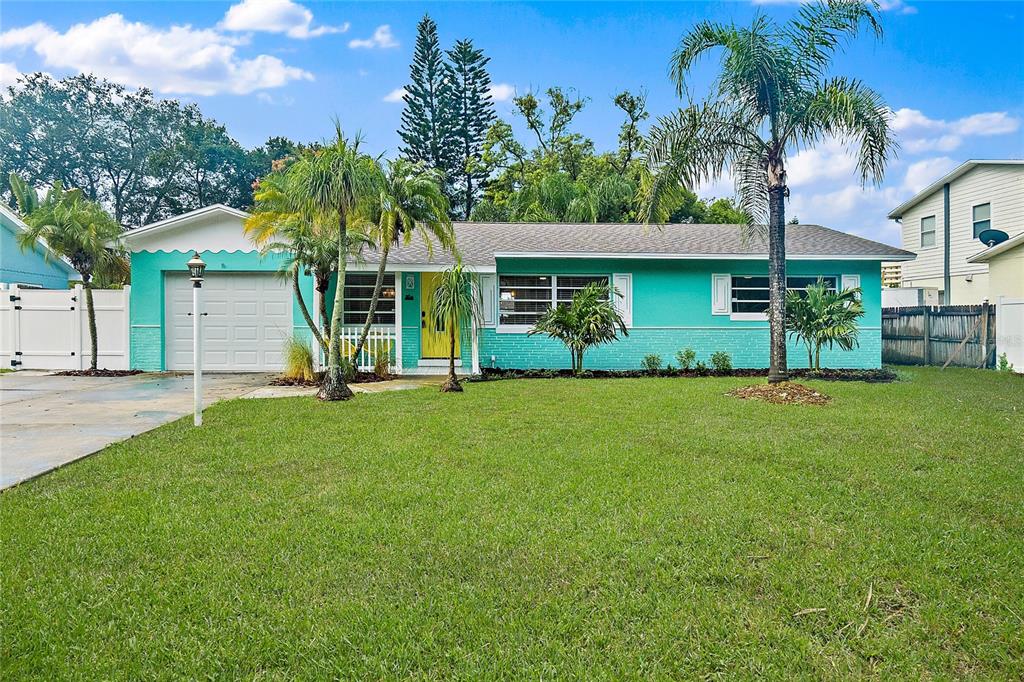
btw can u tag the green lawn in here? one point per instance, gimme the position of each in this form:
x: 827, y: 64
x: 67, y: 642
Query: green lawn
x: 540, y: 529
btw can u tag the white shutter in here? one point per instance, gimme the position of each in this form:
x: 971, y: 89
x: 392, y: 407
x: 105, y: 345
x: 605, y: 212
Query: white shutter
x: 488, y: 292
x: 721, y: 294
x: 623, y: 282
x: 850, y: 282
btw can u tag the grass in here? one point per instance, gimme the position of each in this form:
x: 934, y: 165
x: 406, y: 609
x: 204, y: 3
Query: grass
x: 644, y: 528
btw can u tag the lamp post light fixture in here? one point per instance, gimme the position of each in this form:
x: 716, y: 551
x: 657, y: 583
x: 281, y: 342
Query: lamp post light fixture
x: 196, y: 268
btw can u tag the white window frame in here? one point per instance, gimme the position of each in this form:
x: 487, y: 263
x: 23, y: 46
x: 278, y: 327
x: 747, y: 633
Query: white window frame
x: 384, y: 285
x: 975, y: 221
x: 921, y: 232
x: 763, y: 317
x: 523, y: 328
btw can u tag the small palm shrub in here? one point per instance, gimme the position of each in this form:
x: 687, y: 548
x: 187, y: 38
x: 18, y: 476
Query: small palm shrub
x: 686, y: 358
x: 590, y: 320
x: 823, y: 317
x: 721, y: 361
x: 651, y: 362
x: 382, y: 362
x: 298, y: 360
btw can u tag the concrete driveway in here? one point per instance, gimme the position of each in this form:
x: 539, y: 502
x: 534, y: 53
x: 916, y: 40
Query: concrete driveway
x: 47, y: 421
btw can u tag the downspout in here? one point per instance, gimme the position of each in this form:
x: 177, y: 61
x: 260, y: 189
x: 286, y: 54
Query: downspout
x: 947, y: 300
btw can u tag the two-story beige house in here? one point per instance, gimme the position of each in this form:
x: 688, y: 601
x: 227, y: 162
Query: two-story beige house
x: 941, y: 225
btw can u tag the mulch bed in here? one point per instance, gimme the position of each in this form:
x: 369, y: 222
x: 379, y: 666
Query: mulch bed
x: 98, y: 373
x: 784, y: 393
x: 866, y: 375
x: 360, y: 378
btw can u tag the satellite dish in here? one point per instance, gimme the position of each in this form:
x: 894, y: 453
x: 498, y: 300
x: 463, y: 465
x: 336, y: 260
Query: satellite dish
x: 992, y: 237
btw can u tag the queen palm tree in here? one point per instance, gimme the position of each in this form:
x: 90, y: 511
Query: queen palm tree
x: 80, y: 231
x: 329, y: 184
x: 409, y: 198
x: 455, y: 305
x: 772, y: 97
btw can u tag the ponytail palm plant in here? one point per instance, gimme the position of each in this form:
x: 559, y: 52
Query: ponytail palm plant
x: 408, y: 199
x: 772, y: 97
x: 455, y: 304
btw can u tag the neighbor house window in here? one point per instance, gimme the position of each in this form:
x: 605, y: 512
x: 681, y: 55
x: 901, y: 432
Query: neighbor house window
x: 982, y: 217
x: 928, y: 231
x: 750, y: 293
x: 359, y: 292
x: 522, y: 299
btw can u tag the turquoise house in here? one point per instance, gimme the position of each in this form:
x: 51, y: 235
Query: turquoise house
x: 697, y: 286
x: 37, y: 267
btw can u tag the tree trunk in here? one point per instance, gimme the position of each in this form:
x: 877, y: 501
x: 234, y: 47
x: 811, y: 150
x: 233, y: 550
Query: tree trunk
x: 451, y: 385
x: 374, y: 300
x: 777, y: 370
x: 323, y: 284
x: 810, y: 355
x: 334, y: 386
x: 817, y: 358
x: 91, y: 313
x: 305, y: 311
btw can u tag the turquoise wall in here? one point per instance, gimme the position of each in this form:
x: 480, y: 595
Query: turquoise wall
x: 147, y: 295
x: 672, y: 311
x: 29, y: 266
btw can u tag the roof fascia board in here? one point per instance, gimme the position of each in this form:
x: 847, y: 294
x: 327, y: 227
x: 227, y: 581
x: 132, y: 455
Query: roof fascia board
x: 184, y: 217
x: 694, y: 256
x: 948, y: 178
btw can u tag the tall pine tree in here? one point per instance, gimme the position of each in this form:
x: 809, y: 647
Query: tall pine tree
x: 427, y: 124
x: 473, y: 113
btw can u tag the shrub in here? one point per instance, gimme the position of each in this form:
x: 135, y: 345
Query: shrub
x: 651, y: 362
x: 1004, y: 364
x: 298, y: 359
x: 590, y: 320
x: 820, y: 316
x: 721, y: 361
x: 700, y: 367
x: 686, y: 358
x: 382, y: 362
x: 348, y: 368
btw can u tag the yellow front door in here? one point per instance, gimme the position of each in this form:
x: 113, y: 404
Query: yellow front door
x: 434, y: 340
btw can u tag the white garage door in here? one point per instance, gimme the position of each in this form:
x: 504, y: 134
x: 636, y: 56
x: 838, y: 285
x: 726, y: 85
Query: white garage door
x: 248, y: 317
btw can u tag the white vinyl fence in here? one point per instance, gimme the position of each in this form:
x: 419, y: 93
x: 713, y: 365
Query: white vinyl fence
x: 49, y: 328
x: 1010, y: 330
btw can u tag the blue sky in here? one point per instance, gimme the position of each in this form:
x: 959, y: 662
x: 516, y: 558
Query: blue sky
x: 952, y: 71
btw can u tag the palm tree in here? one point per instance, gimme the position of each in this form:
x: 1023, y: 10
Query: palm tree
x: 772, y: 97
x: 824, y: 317
x: 80, y: 231
x: 455, y: 304
x: 277, y: 223
x: 590, y: 320
x: 409, y: 198
x: 329, y: 183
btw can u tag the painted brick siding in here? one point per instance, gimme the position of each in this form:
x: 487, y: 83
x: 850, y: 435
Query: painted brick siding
x: 747, y: 347
x: 147, y: 348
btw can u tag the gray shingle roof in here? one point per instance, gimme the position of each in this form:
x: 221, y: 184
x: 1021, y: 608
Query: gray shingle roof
x: 479, y: 242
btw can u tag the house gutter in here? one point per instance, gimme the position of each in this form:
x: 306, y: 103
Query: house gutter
x: 947, y: 300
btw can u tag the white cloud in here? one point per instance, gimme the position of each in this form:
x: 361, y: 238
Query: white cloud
x: 177, y: 60
x: 8, y: 75
x: 920, y: 174
x: 275, y: 16
x: 280, y: 101
x: 924, y: 134
x: 501, y: 92
x: 396, y: 95
x: 382, y: 38
x: 829, y: 160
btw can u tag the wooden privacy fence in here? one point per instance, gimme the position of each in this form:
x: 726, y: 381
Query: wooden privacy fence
x: 957, y: 335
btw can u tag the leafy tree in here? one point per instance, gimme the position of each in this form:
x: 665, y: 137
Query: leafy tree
x: 455, y: 304
x: 80, y: 231
x: 406, y: 198
x: 472, y: 117
x: 772, y: 97
x: 630, y: 138
x: 823, y: 317
x: 141, y: 158
x: 427, y: 129
x: 590, y: 320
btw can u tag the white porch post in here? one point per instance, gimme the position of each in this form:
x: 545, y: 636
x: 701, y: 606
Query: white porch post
x: 475, y: 334
x: 399, y: 298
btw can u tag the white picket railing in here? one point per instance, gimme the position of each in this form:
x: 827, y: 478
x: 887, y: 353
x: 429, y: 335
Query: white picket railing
x: 380, y: 339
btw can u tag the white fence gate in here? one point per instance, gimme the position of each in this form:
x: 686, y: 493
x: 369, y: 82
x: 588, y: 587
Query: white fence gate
x: 1010, y: 330
x: 49, y: 328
